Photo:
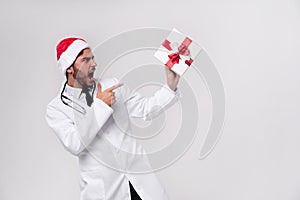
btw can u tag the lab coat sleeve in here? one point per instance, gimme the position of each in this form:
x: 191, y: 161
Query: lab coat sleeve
x: 77, y: 135
x: 148, y: 108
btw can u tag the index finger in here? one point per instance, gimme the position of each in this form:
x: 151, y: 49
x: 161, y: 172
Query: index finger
x: 114, y: 87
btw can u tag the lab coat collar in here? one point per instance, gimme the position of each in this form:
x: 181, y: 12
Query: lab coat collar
x: 75, y: 92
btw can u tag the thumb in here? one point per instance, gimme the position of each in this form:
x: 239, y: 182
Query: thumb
x: 99, y: 88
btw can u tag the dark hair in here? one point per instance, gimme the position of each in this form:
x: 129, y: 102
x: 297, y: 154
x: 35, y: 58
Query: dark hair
x: 80, y: 53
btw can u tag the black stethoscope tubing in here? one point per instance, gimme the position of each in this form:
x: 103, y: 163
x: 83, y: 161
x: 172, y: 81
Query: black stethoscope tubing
x: 62, y: 97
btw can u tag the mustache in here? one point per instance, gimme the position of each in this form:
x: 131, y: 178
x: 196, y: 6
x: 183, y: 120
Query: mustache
x: 92, y: 70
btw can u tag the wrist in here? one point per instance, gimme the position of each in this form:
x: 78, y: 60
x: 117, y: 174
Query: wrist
x: 173, y: 88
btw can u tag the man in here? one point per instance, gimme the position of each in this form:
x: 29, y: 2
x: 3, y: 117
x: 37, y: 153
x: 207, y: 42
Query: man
x: 91, y: 120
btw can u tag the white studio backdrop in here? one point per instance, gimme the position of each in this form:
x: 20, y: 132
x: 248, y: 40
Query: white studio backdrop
x: 254, y: 45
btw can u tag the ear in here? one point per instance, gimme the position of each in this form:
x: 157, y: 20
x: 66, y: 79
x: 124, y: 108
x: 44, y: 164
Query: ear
x: 70, y: 70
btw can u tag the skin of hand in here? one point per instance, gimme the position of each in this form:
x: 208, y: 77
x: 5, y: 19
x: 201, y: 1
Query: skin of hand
x: 172, y: 78
x: 108, y: 96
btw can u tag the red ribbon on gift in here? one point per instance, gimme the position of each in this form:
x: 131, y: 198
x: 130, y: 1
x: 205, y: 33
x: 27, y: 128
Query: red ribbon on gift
x: 182, y: 50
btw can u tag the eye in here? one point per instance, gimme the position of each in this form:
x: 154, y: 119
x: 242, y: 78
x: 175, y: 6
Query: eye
x: 87, y: 59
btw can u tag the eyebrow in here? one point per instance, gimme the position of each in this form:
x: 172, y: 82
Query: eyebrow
x: 86, y: 58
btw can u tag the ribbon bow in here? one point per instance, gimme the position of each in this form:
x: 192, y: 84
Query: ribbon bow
x: 182, y: 50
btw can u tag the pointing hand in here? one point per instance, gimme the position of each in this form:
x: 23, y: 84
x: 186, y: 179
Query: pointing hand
x: 108, y: 96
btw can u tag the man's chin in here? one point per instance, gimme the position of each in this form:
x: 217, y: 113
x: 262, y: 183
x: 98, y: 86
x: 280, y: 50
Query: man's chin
x: 90, y: 82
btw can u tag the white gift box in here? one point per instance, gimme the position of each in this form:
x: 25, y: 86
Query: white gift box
x: 178, y: 52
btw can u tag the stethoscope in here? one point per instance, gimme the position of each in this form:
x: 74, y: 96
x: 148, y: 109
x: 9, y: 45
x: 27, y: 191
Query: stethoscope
x: 81, y: 109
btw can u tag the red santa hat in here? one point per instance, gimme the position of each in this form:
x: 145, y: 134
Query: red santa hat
x: 67, y: 50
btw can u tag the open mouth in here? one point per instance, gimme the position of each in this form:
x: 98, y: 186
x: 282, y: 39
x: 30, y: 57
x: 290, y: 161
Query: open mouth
x: 91, y: 75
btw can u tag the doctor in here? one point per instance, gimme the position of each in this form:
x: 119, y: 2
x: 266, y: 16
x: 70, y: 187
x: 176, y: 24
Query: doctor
x: 91, y: 119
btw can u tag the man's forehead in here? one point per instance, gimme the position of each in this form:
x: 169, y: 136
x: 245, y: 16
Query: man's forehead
x: 87, y: 53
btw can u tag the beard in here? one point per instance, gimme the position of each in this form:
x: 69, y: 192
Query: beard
x: 85, y: 80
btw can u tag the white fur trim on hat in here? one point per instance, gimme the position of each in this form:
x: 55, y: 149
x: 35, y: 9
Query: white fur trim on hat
x: 69, y: 55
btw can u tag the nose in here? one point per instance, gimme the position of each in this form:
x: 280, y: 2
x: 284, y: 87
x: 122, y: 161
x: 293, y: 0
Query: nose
x: 94, y: 64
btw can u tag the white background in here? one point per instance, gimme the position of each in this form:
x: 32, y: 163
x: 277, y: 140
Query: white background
x: 255, y: 46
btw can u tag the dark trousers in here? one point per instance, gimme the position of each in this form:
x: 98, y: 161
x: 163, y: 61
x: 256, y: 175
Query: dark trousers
x: 134, y: 195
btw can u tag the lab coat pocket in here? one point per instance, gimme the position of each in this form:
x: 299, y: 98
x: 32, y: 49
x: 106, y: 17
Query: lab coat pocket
x: 91, y: 186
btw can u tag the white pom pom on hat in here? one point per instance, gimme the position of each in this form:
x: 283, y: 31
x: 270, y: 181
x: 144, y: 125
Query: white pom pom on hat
x: 67, y: 50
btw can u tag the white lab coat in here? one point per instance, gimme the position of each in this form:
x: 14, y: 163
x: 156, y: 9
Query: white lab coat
x: 101, y: 139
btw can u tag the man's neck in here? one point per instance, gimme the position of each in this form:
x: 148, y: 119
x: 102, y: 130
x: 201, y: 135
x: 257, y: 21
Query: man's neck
x: 73, y: 83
